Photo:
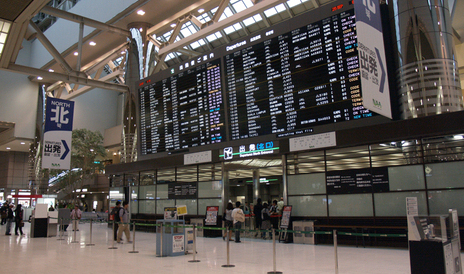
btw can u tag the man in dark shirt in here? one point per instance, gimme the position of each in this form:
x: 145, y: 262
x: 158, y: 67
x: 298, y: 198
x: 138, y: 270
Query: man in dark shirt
x: 9, y: 220
x: 115, y: 213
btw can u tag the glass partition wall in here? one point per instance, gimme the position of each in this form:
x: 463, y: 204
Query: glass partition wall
x: 385, y: 174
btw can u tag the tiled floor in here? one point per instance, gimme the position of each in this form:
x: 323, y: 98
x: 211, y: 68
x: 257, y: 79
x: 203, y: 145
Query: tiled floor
x: 22, y: 254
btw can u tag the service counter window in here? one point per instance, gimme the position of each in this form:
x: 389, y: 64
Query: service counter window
x: 440, y: 201
x: 315, y: 205
x: 351, y: 205
x: 203, y: 203
x: 394, y: 203
x: 306, y: 184
x: 445, y: 175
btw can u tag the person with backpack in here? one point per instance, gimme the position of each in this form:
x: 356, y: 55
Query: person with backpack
x: 116, y: 219
x: 124, y: 217
x: 266, y: 224
x: 239, y: 217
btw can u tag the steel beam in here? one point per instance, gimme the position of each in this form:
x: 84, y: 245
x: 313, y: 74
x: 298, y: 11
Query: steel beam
x: 222, y: 6
x: 188, y: 52
x: 67, y: 78
x: 261, y: 6
x: 83, y: 90
x: 87, y: 21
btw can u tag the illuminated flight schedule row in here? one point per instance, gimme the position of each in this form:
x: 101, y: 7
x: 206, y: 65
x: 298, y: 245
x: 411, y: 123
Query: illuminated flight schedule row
x: 182, y: 111
x: 289, y: 83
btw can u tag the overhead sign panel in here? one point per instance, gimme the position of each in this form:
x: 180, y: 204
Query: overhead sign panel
x: 371, y: 51
x: 56, y: 153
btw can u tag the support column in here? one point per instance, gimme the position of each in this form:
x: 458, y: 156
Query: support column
x: 256, y: 192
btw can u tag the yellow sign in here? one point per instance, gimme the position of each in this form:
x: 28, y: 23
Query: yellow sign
x: 181, y: 210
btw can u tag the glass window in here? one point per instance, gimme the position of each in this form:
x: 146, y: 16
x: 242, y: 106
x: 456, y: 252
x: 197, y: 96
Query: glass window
x: 204, y: 18
x: 198, y: 44
x: 445, y: 148
x: 210, y: 189
x: 134, y: 199
x: 187, y: 174
x: 148, y: 192
x: 293, y: 3
x: 147, y: 178
x: 191, y: 206
x: 444, y: 175
x: 166, y: 175
x: 209, y: 172
x: 309, y: 162
x: 116, y: 194
x: 161, y: 204
x: 441, y: 201
x: 147, y: 206
x: 188, y: 29
x: 406, y: 177
x: 348, y: 158
x: 116, y: 180
x: 203, y: 203
x: 162, y: 191
x: 308, y: 205
x: 131, y: 179
x: 232, y: 28
x: 254, y: 19
x: 306, y: 184
x: 353, y: 205
x: 394, y: 203
x: 213, y: 36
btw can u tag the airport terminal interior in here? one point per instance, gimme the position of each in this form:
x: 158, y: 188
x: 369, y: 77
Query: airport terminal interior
x: 346, y: 115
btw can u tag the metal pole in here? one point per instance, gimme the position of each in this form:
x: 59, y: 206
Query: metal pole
x: 194, y: 246
x: 75, y: 231
x: 133, y: 240
x: 90, y: 244
x: 274, y: 253
x: 228, y: 251
x: 335, y: 250
x: 61, y: 230
x: 112, y: 237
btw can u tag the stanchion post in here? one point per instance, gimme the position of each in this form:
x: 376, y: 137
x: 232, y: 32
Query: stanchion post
x: 194, y: 246
x: 61, y: 230
x: 75, y: 231
x: 161, y: 239
x: 228, y: 251
x: 335, y: 250
x: 274, y: 253
x: 90, y: 244
x: 133, y: 240
x: 112, y: 237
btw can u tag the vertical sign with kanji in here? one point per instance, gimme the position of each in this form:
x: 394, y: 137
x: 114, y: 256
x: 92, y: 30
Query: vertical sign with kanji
x: 372, y: 62
x: 58, y: 134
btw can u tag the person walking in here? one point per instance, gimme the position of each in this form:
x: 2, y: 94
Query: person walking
x: 228, y: 221
x: 9, y: 219
x: 19, y: 223
x: 4, y: 213
x: 124, y: 215
x: 76, y: 215
x: 238, y: 217
x: 116, y: 219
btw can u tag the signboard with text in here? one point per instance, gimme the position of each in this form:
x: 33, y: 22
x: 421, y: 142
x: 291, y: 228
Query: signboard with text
x: 358, y: 181
x: 56, y: 153
x: 249, y: 150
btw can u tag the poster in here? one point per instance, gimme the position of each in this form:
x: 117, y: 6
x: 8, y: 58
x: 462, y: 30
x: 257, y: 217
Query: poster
x: 170, y: 213
x: 211, y: 215
x: 181, y: 210
x: 286, y: 213
x: 177, y: 243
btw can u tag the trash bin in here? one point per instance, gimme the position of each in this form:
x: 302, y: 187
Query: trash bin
x: 298, y: 237
x: 309, y: 238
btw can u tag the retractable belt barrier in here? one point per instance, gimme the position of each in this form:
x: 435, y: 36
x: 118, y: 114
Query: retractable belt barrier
x: 335, y: 233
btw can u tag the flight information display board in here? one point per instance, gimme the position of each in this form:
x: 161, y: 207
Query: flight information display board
x: 182, y: 111
x: 292, y: 82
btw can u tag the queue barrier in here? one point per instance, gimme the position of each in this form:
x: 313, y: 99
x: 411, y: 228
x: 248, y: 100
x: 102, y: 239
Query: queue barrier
x: 335, y: 233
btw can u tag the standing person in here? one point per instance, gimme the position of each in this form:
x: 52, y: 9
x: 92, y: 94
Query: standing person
x: 9, y: 219
x: 124, y: 215
x: 19, y: 223
x: 76, y: 215
x: 274, y: 215
x: 266, y: 224
x: 257, y: 211
x: 280, y: 205
x: 116, y: 219
x: 4, y: 213
x: 237, y: 222
x: 229, y: 221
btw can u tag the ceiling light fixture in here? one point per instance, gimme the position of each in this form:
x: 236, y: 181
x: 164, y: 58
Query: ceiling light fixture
x: 201, y: 10
x: 51, y: 70
x: 173, y: 25
x: 76, y: 53
x: 8, y: 148
x: 140, y: 12
x: 39, y: 78
x: 22, y: 143
x: 92, y: 43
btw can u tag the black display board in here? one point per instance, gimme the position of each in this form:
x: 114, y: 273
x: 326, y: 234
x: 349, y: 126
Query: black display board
x: 299, y: 79
x: 357, y: 180
x: 180, y: 190
x: 182, y: 111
